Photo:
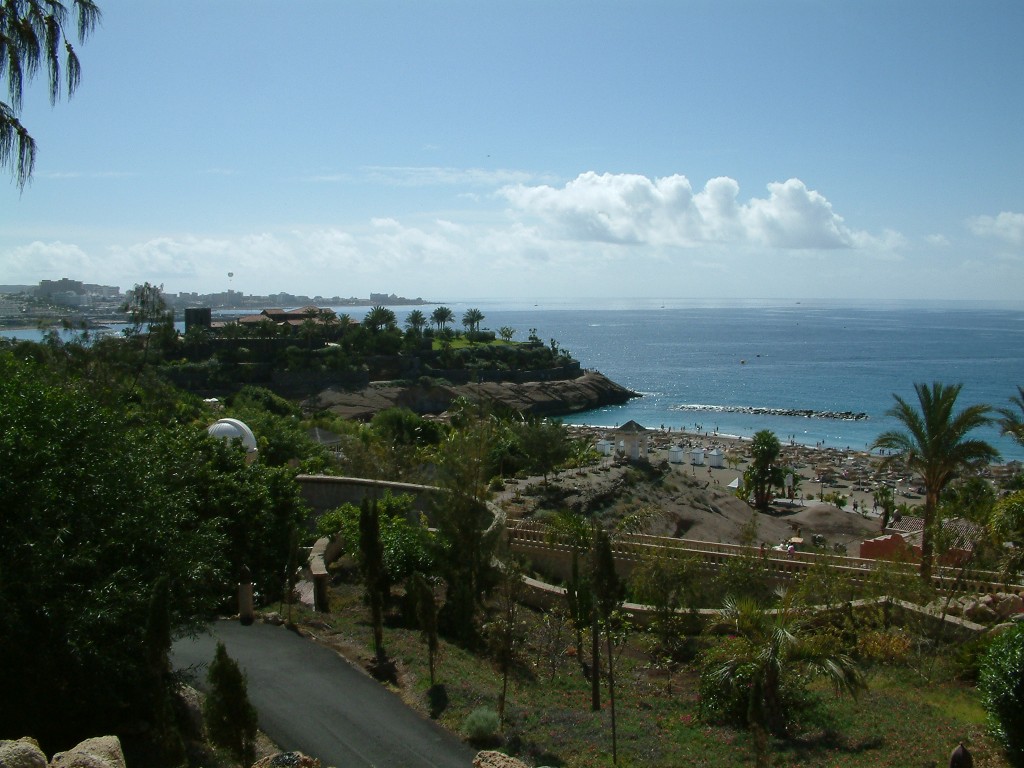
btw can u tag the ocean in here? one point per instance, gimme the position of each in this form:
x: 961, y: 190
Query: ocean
x: 705, y: 365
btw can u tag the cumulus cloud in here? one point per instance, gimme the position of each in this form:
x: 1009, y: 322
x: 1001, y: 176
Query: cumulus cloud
x: 632, y: 209
x: 24, y: 264
x: 1007, y: 226
x: 569, y: 237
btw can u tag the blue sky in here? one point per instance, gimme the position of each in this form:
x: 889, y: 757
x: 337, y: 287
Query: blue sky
x: 467, y: 149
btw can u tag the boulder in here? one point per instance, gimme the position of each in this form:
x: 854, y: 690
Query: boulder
x: 979, y: 612
x: 491, y: 759
x: 99, y: 752
x: 1009, y: 605
x: 189, y: 705
x: 998, y: 629
x: 23, y: 753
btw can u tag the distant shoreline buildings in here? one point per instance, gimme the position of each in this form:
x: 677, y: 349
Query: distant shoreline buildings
x: 23, y: 304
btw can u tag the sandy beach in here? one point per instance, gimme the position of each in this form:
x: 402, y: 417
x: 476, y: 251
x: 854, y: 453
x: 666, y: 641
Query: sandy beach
x: 701, y: 505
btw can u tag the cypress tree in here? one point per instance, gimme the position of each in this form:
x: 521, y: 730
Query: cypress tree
x: 230, y: 717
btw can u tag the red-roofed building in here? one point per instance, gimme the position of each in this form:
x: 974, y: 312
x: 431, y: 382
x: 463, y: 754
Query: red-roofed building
x: 902, y: 540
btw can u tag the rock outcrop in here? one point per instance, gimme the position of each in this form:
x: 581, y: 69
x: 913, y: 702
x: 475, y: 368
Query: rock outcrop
x: 22, y: 753
x: 542, y: 398
x: 984, y: 609
x: 99, y: 752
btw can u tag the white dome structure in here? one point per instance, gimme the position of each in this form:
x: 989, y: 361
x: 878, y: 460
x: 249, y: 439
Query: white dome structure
x: 233, y: 429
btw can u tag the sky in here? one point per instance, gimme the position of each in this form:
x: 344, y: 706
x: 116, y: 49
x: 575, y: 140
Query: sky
x: 460, y: 149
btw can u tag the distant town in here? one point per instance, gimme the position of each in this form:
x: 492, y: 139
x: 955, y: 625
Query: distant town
x: 75, y: 301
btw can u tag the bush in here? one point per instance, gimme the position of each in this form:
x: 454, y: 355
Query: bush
x: 1002, y: 691
x: 481, y: 725
x: 230, y: 718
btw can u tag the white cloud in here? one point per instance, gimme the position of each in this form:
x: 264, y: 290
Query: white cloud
x: 1007, y: 226
x: 28, y: 264
x: 597, y: 234
x: 631, y: 209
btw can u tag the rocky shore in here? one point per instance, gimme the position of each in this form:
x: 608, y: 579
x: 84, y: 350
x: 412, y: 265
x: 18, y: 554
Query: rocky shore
x: 542, y: 398
x: 806, y: 413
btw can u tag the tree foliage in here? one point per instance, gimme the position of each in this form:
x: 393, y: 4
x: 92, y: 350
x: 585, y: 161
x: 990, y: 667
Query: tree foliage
x: 466, y: 535
x: 229, y: 716
x: 371, y: 562
x: 1006, y: 526
x: 97, y: 509
x: 89, y: 524
x: 1011, y: 420
x: 1002, y: 689
x: 935, y: 444
x: 754, y: 675
x: 32, y: 33
x: 763, y: 474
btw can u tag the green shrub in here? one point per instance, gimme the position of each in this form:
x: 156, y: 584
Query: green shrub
x: 481, y: 725
x: 1002, y: 691
x: 230, y: 718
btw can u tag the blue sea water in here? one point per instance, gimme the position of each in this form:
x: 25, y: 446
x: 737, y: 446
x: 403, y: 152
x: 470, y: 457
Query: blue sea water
x: 691, y: 358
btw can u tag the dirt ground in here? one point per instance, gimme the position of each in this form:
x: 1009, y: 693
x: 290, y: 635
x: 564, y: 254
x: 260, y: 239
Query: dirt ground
x: 695, y: 501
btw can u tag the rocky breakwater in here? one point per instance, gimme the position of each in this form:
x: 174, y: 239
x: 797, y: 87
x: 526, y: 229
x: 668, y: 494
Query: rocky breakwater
x: 806, y: 413
x: 543, y: 398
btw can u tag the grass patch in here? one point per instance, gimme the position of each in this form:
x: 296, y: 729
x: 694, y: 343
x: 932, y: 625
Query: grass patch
x: 902, y: 720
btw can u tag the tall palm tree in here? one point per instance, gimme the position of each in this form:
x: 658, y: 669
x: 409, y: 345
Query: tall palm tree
x: 1012, y: 421
x: 935, y: 445
x: 441, y: 317
x: 379, y: 318
x: 763, y: 474
x: 472, y: 318
x: 416, y: 321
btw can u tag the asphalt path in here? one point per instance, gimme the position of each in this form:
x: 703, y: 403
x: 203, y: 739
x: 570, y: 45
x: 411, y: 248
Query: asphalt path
x: 312, y: 700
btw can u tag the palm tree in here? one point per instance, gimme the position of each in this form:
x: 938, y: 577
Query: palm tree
x: 773, y: 646
x: 935, y: 445
x: 416, y: 321
x: 506, y: 332
x: 441, y: 317
x: 1012, y: 421
x: 379, y: 318
x: 472, y: 318
x: 763, y: 473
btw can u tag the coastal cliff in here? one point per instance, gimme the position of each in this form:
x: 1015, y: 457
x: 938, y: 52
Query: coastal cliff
x: 542, y: 398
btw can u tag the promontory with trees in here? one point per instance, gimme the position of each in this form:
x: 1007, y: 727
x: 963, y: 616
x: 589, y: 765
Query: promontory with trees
x: 124, y: 525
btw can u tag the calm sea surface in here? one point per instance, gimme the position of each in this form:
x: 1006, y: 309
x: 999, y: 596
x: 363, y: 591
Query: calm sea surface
x: 689, y: 359
x: 694, y: 360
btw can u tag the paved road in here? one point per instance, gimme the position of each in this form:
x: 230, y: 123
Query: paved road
x: 311, y: 699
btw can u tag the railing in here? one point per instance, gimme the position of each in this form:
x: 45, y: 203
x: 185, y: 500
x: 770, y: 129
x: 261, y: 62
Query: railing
x: 631, y: 548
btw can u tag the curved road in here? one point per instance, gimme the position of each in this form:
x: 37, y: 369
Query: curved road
x: 311, y: 699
